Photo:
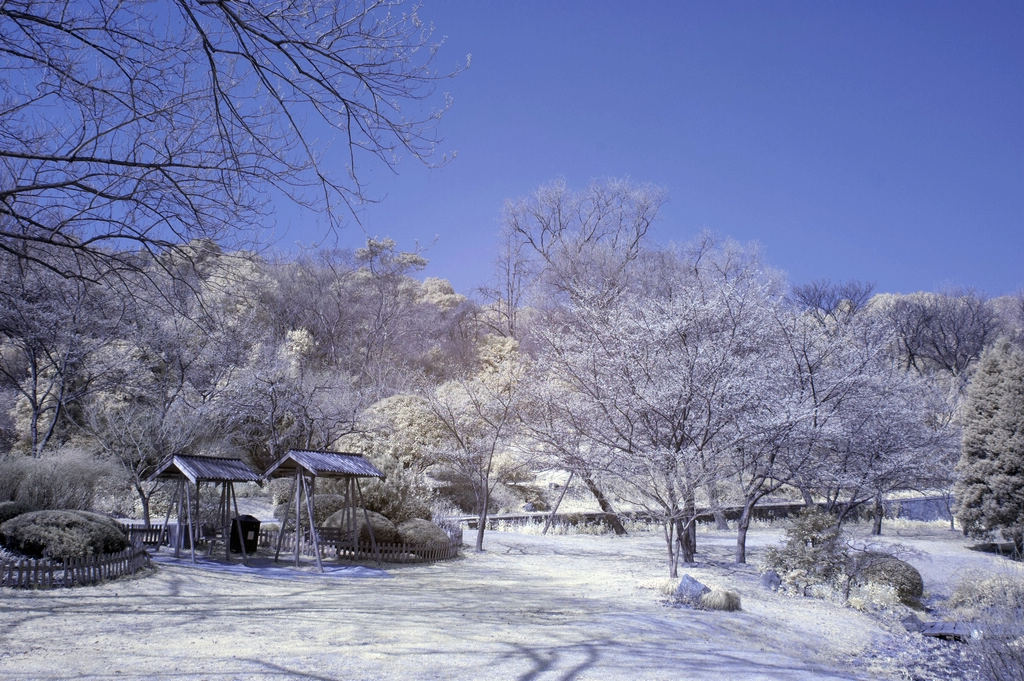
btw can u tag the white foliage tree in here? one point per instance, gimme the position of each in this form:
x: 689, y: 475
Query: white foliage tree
x: 478, y: 416
x: 666, y: 370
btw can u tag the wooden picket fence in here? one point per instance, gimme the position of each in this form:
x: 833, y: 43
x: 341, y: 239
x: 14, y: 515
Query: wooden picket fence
x: 154, y: 535
x: 400, y: 553
x: 334, y: 545
x: 34, y: 573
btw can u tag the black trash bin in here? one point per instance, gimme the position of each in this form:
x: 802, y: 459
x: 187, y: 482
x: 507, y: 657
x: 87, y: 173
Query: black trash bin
x: 250, y: 534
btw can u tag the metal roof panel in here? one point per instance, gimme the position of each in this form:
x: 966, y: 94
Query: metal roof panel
x: 205, y: 468
x: 324, y: 464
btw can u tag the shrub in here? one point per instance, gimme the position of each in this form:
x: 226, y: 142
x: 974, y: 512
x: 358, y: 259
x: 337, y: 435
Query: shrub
x: 445, y: 516
x: 874, y: 567
x: 401, y: 496
x: 871, y: 596
x: 11, y: 509
x: 384, y: 531
x: 62, y: 534
x: 814, y: 553
x: 720, y: 599
x: 66, y: 479
x: 419, y: 531
x: 324, y: 506
x: 12, y: 472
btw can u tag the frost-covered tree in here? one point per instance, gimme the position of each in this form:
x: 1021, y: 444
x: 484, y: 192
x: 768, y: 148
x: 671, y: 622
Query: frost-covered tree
x: 562, y: 248
x: 402, y: 436
x: 51, y: 331
x: 478, y: 417
x: 277, y: 400
x: 875, y: 427
x: 661, y: 373
x: 990, y: 486
x: 940, y: 332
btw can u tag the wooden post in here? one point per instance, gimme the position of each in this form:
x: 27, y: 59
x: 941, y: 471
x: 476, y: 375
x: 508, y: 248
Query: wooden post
x: 177, y: 534
x: 298, y: 512
x: 167, y: 520
x: 348, y: 516
x: 196, y: 531
x: 191, y: 525
x: 284, y: 523
x: 230, y: 487
x: 312, y: 524
x: 551, y: 516
x: 223, y: 514
x: 369, y: 527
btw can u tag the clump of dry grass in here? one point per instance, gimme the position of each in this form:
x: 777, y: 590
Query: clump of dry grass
x: 665, y: 587
x: 977, y: 593
x: 720, y: 599
x: 995, y: 606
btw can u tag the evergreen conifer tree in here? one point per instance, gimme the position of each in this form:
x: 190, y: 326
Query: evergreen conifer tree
x: 990, y: 483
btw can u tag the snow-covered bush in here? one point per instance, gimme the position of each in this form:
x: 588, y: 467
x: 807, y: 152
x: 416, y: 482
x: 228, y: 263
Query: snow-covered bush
x: 384, y: 531
x: 67, y: 478
x: 814, y: 552
x: 10, y: 509
x: 872, y: 596
x: 879, y: 569
x: 419, y: 531
x: 975, y: 594
x: 62, y: 534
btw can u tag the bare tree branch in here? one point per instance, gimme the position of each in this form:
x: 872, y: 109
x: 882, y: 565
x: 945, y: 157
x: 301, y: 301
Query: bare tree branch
x: 145, y: 125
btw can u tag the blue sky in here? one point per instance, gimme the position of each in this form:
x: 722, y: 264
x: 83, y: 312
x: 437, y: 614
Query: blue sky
x: 878, y: 141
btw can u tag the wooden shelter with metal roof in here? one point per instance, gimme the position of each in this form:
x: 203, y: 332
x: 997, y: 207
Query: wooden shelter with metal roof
x: 192, y: 468
x: 305, y: 466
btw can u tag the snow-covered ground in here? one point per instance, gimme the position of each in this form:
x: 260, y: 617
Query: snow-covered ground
x: 529, y: 608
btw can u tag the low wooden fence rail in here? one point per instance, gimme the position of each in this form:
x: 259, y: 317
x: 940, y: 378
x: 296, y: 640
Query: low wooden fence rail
x: 930, y: 507
x: 49, y: 574
x: 334, y: 543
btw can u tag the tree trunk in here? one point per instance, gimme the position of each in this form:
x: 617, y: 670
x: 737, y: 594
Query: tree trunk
x: 876, y: 526
x: 144, y: 501
x: 611, y: 518
x: 808, y: 499
x: 481, y: 526
x: 742, y: 525
x: 673, y: 561
x: 721, y: 523
x: 844, y: 511
x: 948, y: 500
x: 686, y: 537
x: 688, y: 532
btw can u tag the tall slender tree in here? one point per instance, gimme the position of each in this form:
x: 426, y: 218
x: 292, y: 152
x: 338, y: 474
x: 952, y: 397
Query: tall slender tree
x: 990, y: 488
